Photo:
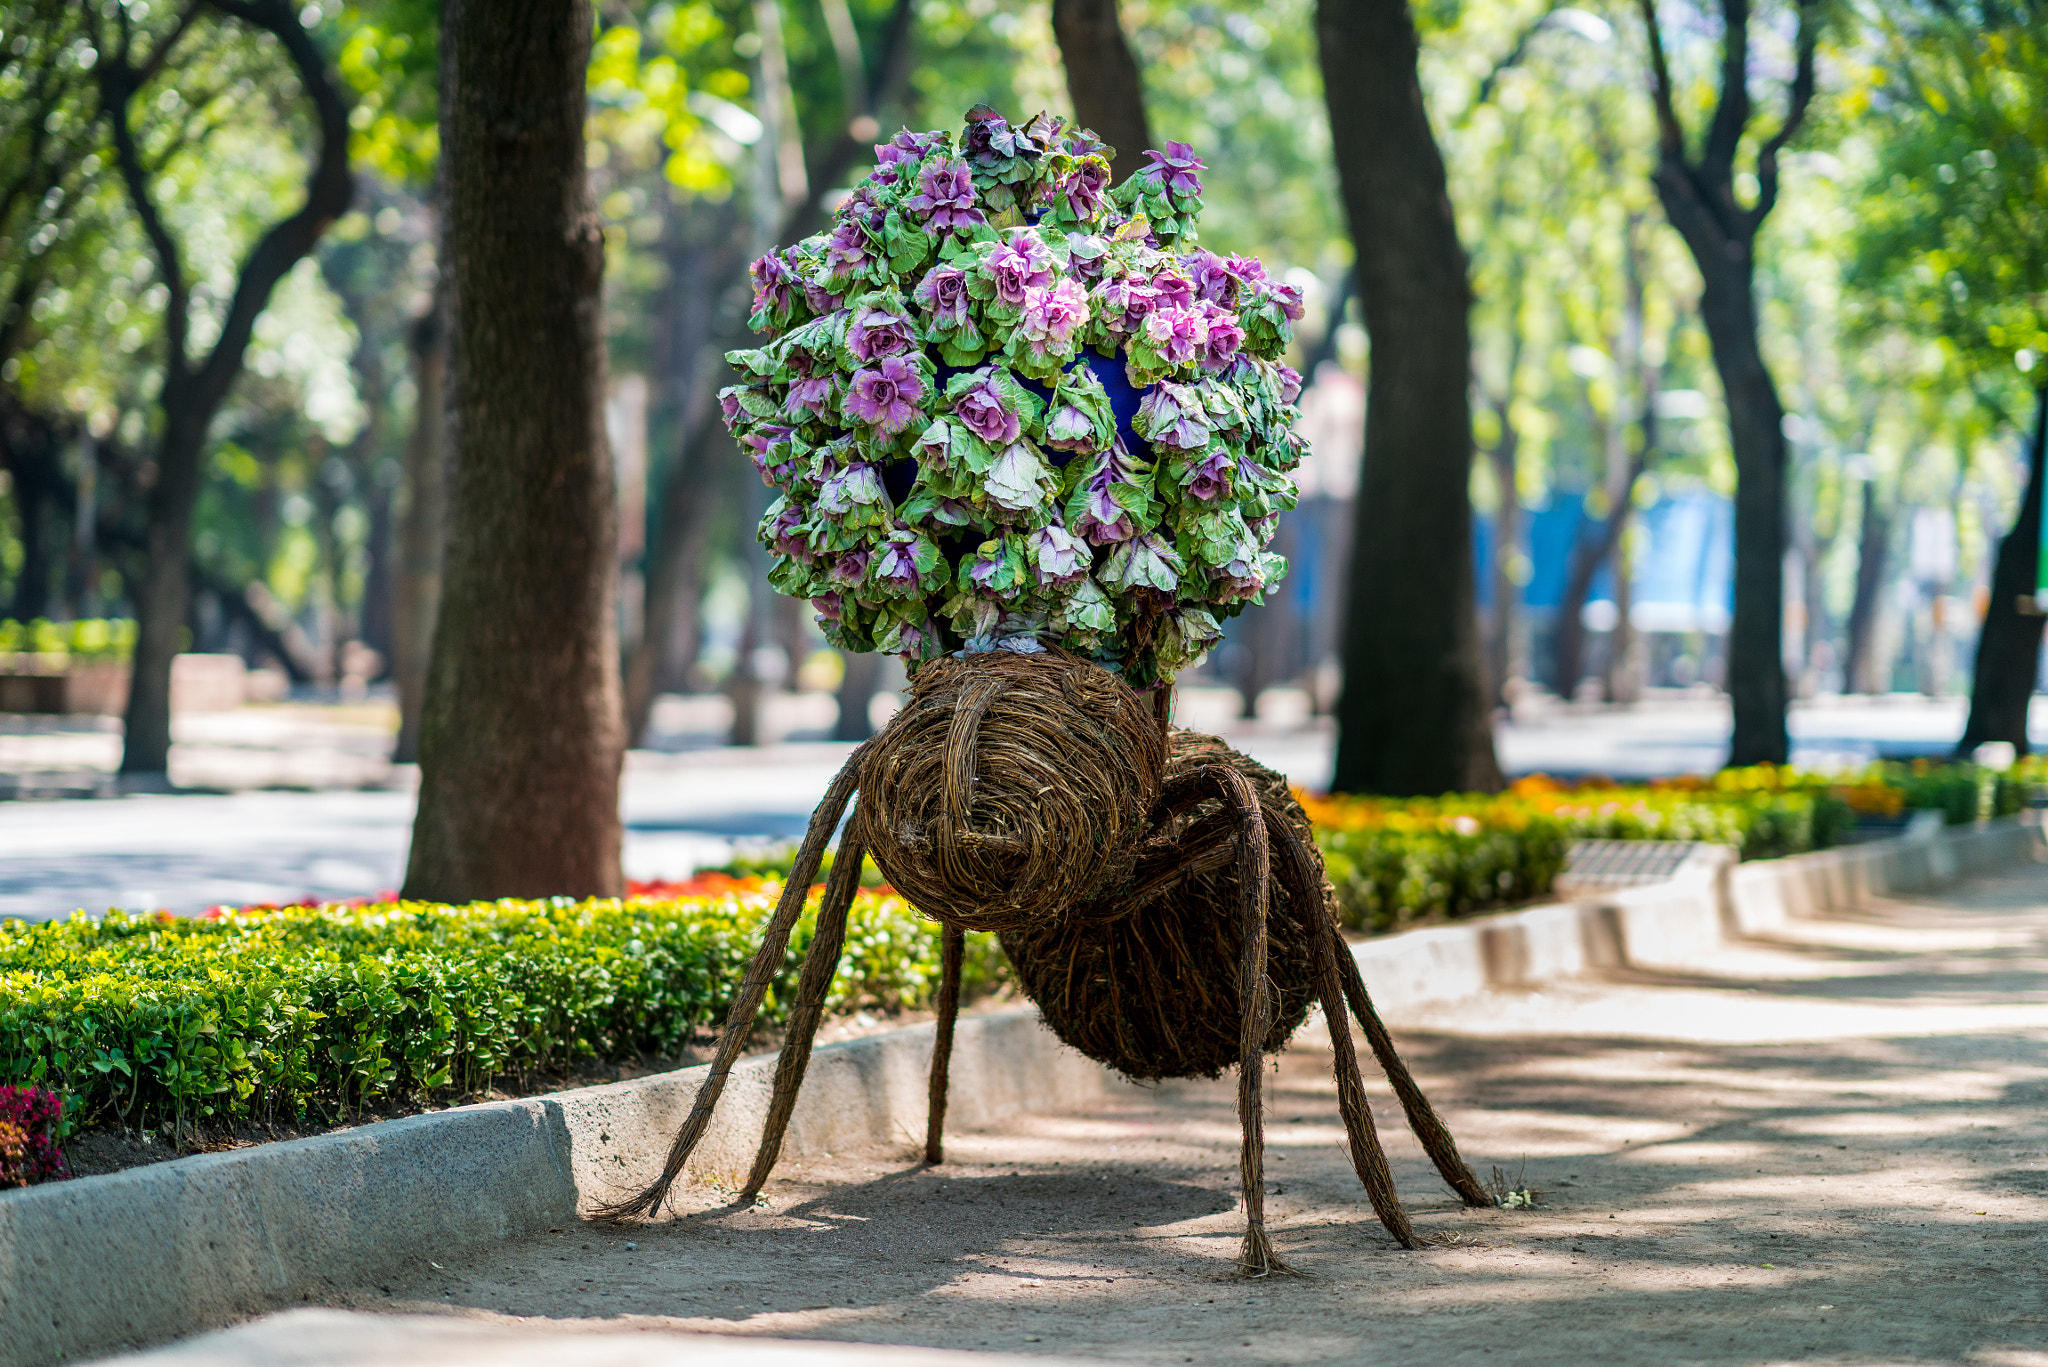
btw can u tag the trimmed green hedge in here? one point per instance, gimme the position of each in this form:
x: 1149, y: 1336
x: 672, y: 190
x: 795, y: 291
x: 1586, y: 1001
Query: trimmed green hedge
x: 324, y: 1011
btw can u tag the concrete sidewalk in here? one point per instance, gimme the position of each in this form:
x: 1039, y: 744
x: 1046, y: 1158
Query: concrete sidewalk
x: 1826, y: 1146
x: 332, y: 1338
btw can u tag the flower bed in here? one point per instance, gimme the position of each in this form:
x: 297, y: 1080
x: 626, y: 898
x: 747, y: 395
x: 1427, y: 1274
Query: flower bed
x: 1397, y: 861
x: 322, y: 1011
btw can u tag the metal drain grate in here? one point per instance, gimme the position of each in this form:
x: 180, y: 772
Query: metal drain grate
x: 1591, y: 865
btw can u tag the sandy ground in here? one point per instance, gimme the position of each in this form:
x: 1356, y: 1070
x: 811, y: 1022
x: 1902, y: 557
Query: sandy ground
x: 1829, y: 1148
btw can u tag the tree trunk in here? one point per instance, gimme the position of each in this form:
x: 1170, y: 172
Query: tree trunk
x: 1507, y: 540
x: 423, y: 527
x: 1568, y: 633
x: 162, y: 597
x: 1756, y: 650
x: 1413, y: 718
x: 373, y: 609
x: 1813, y: 551
x: 2009, y: 646
x: 1700, y: 200
x: 374, y: 625
x: 1622, y: 681
x: 706, y: 255
x: 675, y: 561
x: 1103, y: 79
x: 856, y: 691
x: 1588, y: 555
x: 1258, y: 665
x: 32, y: 590
x: 522, y: 739
x: 743, y: 685
x: 707, y: 273
x: 1859, y: 663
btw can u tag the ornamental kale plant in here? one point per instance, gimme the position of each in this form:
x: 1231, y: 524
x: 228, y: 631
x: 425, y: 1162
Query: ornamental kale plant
x: 28, y: 1148
x: 1009, y: 407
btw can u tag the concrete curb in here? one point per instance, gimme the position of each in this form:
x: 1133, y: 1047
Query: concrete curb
x: 175, y: 1248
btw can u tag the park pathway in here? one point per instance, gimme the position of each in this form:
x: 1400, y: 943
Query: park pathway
x: 1829, y: 1148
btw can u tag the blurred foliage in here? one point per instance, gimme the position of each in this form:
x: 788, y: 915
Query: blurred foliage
x: 88, y: 640
x: 1953, y: 242
x: 389, y: 54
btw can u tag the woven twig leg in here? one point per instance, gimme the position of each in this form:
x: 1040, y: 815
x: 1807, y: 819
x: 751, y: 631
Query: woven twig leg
x: 821, y: 961
x: 1256, y: 1258
x: 760, y: 974
x: 952, y: 948
x: 1422, y: 1118
x: 1366, y: 1154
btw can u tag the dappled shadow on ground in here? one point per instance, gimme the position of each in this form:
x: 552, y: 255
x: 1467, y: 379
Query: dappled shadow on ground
x: 1859, y: 1175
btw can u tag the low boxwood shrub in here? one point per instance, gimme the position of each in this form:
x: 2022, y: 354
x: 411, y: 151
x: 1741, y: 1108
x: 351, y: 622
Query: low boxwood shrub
x: 320, y: 1012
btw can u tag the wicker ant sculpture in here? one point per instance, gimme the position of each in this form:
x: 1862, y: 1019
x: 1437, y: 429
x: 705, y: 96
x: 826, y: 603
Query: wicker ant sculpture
x: 1151, y: 889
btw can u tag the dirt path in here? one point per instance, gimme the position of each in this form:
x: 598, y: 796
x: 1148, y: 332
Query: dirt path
x: 1832, y: 1148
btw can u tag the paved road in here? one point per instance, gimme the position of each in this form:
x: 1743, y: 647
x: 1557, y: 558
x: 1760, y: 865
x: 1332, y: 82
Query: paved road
x: 685, y: 806
x: 1830, y: 1148
x: 307, y: 806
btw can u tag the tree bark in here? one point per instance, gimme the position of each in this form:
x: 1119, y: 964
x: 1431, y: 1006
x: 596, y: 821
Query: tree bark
x: 423, y: 527
x: 1699, y: 199
x: 1568, y: 639
x: 1859, y: 664
x: 30, y: 453
x: 193, y: 392
x: 522, y: 734
x: 372, y: 618
x: 1102, y: 79
x: 163, y: 595
x: 1413, y: 718
x: 1507, y: 539
x: 707, y: 255
x: 2009, y: 646
x: 1588, y: 555
x: 1813, y: 550
x: 1756, y: 651
x: 1505, y: 457
x: 856, y: 691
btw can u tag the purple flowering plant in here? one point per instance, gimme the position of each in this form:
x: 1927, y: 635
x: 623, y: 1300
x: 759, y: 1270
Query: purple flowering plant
x: 29, y: 1121
x: 937, y: 405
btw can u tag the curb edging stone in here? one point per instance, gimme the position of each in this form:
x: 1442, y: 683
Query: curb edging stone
x: 174, y: 1248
